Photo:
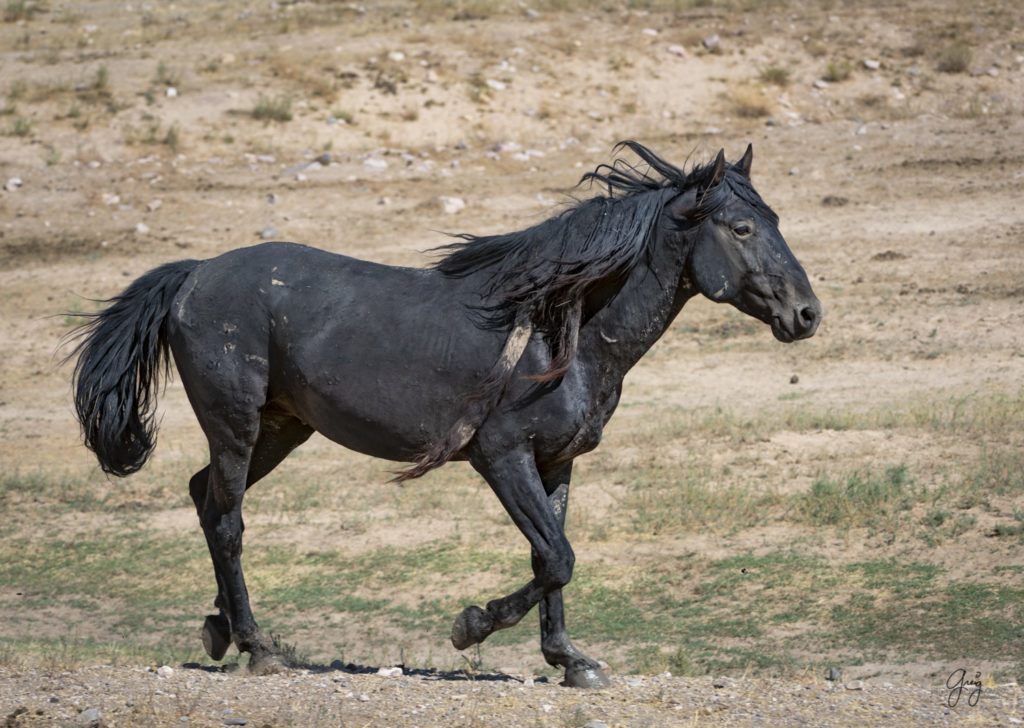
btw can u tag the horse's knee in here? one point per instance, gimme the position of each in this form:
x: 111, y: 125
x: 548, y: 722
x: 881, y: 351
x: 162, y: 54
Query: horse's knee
x: 556, y: 570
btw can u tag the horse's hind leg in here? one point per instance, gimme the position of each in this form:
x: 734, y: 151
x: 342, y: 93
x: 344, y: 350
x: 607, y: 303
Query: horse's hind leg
x: 217, y: 492
x: 580, y: 670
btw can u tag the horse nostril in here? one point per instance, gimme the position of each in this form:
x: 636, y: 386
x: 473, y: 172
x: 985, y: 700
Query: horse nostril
x: 808, y: 316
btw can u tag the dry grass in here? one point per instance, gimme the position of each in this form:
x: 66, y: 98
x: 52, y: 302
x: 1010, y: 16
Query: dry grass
x: 751, y: 102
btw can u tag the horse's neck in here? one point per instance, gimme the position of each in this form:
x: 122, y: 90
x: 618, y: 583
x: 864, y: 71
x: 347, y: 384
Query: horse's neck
x: 636, y: 316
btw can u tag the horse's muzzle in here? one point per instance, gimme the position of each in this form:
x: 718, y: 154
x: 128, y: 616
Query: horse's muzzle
x: 799, y: 323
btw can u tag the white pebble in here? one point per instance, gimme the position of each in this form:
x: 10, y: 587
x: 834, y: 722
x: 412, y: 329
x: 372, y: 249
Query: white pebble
x: 451, y: 205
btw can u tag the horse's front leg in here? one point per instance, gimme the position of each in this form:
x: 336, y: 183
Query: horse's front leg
x: 580, y: 670
x: 513, y: 477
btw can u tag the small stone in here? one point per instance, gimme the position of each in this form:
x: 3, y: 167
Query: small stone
x: 396, y: 56
x: 713, y: 42
x: 794, y: 379
x: 722, y: 682
x: 375, y: 163
x: 431, y: 76
x: 163, y: 670
x: 227, y: 59
x: 451, y: 205
x: 12, y: 184
x: 269, y: 232
x: 495, y: 84
x: 649, y: 31
x: 872, y: 65
x: 143, y: 229
x: 236, y: 721
x: 833, y: 674
x: 363, y: 698
x: 154, y: 205
x: 855, y: 685
x: 677, y: 50
x: 595, y: 723
x: 88, y: 717
x: 389, y: 672
x: 820, y: 83
x: 172, y: 92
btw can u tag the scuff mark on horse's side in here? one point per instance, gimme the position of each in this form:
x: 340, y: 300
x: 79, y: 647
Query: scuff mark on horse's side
x: 276, y: 282
x: 183, y: 297
x: 607, y: 338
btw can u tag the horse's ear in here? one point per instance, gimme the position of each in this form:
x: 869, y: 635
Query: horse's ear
x: 718, y: 172
x: 744, y: 164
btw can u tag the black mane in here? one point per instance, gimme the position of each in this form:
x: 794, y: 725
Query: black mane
x: 544, y: 271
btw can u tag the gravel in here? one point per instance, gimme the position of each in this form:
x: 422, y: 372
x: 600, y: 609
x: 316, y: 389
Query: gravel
x: 347, y: 695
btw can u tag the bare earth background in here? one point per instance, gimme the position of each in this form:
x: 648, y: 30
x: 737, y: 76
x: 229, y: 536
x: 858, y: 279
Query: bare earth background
x: 757, y: 511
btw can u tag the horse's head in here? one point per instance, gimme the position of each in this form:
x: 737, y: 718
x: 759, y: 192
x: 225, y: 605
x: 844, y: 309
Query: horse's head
x: 737, y: 254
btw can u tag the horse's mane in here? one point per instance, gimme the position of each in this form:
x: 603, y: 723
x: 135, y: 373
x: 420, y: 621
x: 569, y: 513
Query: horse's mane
x: 545, y: 270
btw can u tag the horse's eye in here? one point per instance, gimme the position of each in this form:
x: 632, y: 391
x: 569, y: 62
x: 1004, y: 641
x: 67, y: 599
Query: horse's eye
x: 742, y: 230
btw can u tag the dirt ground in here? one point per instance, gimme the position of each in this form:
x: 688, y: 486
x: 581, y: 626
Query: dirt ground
x: 894, y: 160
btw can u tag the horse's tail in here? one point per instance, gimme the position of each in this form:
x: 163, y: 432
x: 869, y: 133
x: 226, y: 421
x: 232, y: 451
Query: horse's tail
x: 120, y: 356
x: 478, y: 404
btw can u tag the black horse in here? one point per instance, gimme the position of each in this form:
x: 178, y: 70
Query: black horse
x: 509, y: 353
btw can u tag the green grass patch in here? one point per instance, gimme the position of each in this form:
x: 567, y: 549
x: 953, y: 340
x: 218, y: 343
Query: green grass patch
x: 277, y: 108
x: 859, y: 499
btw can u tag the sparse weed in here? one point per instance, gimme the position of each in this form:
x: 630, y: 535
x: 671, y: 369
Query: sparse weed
x: 172, y: 138
x: 166, y: 76
x: 861, y: 499
x: 955, y: 59
x: 17, y: 10
x: 839, y: 71
x: 751, y: 102
x: 775, y: 76
x: 21, y: 127
x: 278, y: 108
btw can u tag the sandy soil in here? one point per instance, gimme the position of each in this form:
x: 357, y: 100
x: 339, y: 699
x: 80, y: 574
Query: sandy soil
x: 129, y: 141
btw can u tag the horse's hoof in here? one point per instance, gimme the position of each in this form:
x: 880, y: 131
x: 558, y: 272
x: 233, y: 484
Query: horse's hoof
x: 587, y: 677
x: 471, y: 626
x: 216, y: 636
x: 266, y: 663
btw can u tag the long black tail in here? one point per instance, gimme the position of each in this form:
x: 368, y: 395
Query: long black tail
x: 120, y: 356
